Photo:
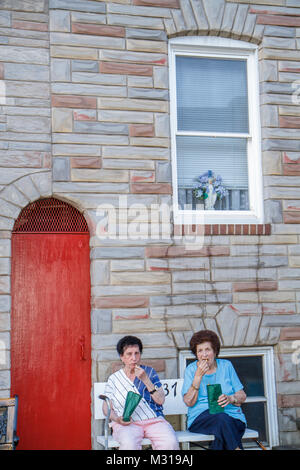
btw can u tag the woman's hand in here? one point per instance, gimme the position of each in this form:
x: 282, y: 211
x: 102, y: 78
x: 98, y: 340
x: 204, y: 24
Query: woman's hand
x: 140, y: 373
x: 202, y: 368
x: 224, y: 400
x: 119, y: 420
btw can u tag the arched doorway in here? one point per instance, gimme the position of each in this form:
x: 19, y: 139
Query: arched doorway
x: 50, y: 341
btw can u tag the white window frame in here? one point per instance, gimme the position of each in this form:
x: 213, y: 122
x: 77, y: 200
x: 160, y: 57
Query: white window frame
x: 269, y: 398
x: 210, y: 46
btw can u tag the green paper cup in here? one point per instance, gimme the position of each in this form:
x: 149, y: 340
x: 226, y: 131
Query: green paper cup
x: 132, y: 401
x: 213, y: 393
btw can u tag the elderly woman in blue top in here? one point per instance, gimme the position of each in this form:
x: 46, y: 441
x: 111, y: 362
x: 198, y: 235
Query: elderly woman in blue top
x: 227, y: 427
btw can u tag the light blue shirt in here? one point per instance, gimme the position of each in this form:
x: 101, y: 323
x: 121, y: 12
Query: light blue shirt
x: 224, y: 375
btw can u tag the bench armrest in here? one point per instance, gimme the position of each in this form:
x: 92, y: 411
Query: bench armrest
x: 105, y: 398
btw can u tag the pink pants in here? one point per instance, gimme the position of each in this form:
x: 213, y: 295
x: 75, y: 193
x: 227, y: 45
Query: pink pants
x: 158, y: 430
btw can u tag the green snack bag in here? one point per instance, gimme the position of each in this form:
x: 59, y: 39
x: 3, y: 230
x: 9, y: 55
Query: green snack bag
x: 213, y: 393
x: 132, y: 401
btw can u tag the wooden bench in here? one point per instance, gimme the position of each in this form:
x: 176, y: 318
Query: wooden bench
x: 173, y: 405
x: 8, y: 423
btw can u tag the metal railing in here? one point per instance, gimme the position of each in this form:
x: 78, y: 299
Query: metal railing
x: 236, y: 200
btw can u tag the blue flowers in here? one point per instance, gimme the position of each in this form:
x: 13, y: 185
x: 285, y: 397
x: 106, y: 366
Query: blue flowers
x: 202, y: 186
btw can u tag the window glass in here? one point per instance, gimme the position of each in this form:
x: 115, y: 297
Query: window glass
x: 225, y: 156
x: 256, y: 418
x: 250, y: 372
x: 211, y: 94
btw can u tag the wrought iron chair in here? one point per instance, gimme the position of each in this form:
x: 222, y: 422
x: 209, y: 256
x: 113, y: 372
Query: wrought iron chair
x: 8, y: 423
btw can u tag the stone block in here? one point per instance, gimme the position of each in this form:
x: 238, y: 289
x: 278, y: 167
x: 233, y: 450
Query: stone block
x: 101, y: 175
x: 134, y: 57
x: 99, y: 272
x: 279, y: 43
x: 138, y: 326
x: 125, y: 116
x: 85, y: 115
x: 135, y: 21
x: 77, y: 5
x: 147, y: 45
x: 163, y: 172
x: 145, y: 289
x: 85, y: 162
x: 62, y: 120
x: 90, y: 18
x: 127, y: 265
x: 5, y: 379
x: 154, y: 34
x: 278, y: 20
x: 5, y: 19
x: 138, y: 130
x: 98, y: 30
x: 61, y: 169
x: 88, y: 89
x: 98, y: 78
x: 76, y: 150
x: 127, y: 164
x: 140, y: 278
x: 73, y: 101
x: 269, y: 116
x: 273, y: 211
x: 120, y: 302
x: 214, y: 12
x: 29, y: 55
x: 60, y: 70
x: 30, y: 72
x: 158, y: 3
x: 136, y: 152
x: 60, y: 21
x: 117, y: 252
x: 271, y: 163
x: 151, y: 188
x: 85, y: 66
x: 133, y: 105
x: 142, y: 176
x: 101, y: 321
x: 251, y: 286
x: 279, y: 31
x: 43, y: 183
x: 73, y: 52
x: 101, y: 128
x: 162, y: 125
x: 148, y: 94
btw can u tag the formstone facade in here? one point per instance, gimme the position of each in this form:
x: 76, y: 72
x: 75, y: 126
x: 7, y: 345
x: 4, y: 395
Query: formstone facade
x: 85, y: 117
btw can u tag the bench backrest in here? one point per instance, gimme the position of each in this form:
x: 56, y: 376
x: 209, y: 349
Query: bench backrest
x: 173, y: 405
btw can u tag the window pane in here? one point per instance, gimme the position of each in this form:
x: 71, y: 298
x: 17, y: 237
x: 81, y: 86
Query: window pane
x: 211, y: 94
x: 250, y: 372
x: 226, y: 157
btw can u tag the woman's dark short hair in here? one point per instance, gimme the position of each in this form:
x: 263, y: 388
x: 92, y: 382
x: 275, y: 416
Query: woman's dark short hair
x: 203, y: 336
x: 126, y: 341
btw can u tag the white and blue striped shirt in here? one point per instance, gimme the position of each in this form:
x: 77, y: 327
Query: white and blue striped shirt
x: 117, y: 387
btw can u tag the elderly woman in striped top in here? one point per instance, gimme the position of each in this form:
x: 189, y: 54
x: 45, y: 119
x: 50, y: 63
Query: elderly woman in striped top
x: 147, y: 419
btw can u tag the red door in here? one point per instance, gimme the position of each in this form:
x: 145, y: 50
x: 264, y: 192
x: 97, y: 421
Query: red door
x: 50, y: 348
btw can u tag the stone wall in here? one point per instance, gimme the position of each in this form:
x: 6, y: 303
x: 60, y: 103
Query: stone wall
x: 85, y: 118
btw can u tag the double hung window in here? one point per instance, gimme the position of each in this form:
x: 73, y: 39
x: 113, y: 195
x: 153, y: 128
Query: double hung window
x: 215, y: 129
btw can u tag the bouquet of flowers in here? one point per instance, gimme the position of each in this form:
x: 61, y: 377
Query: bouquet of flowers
x: 204, y: 181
